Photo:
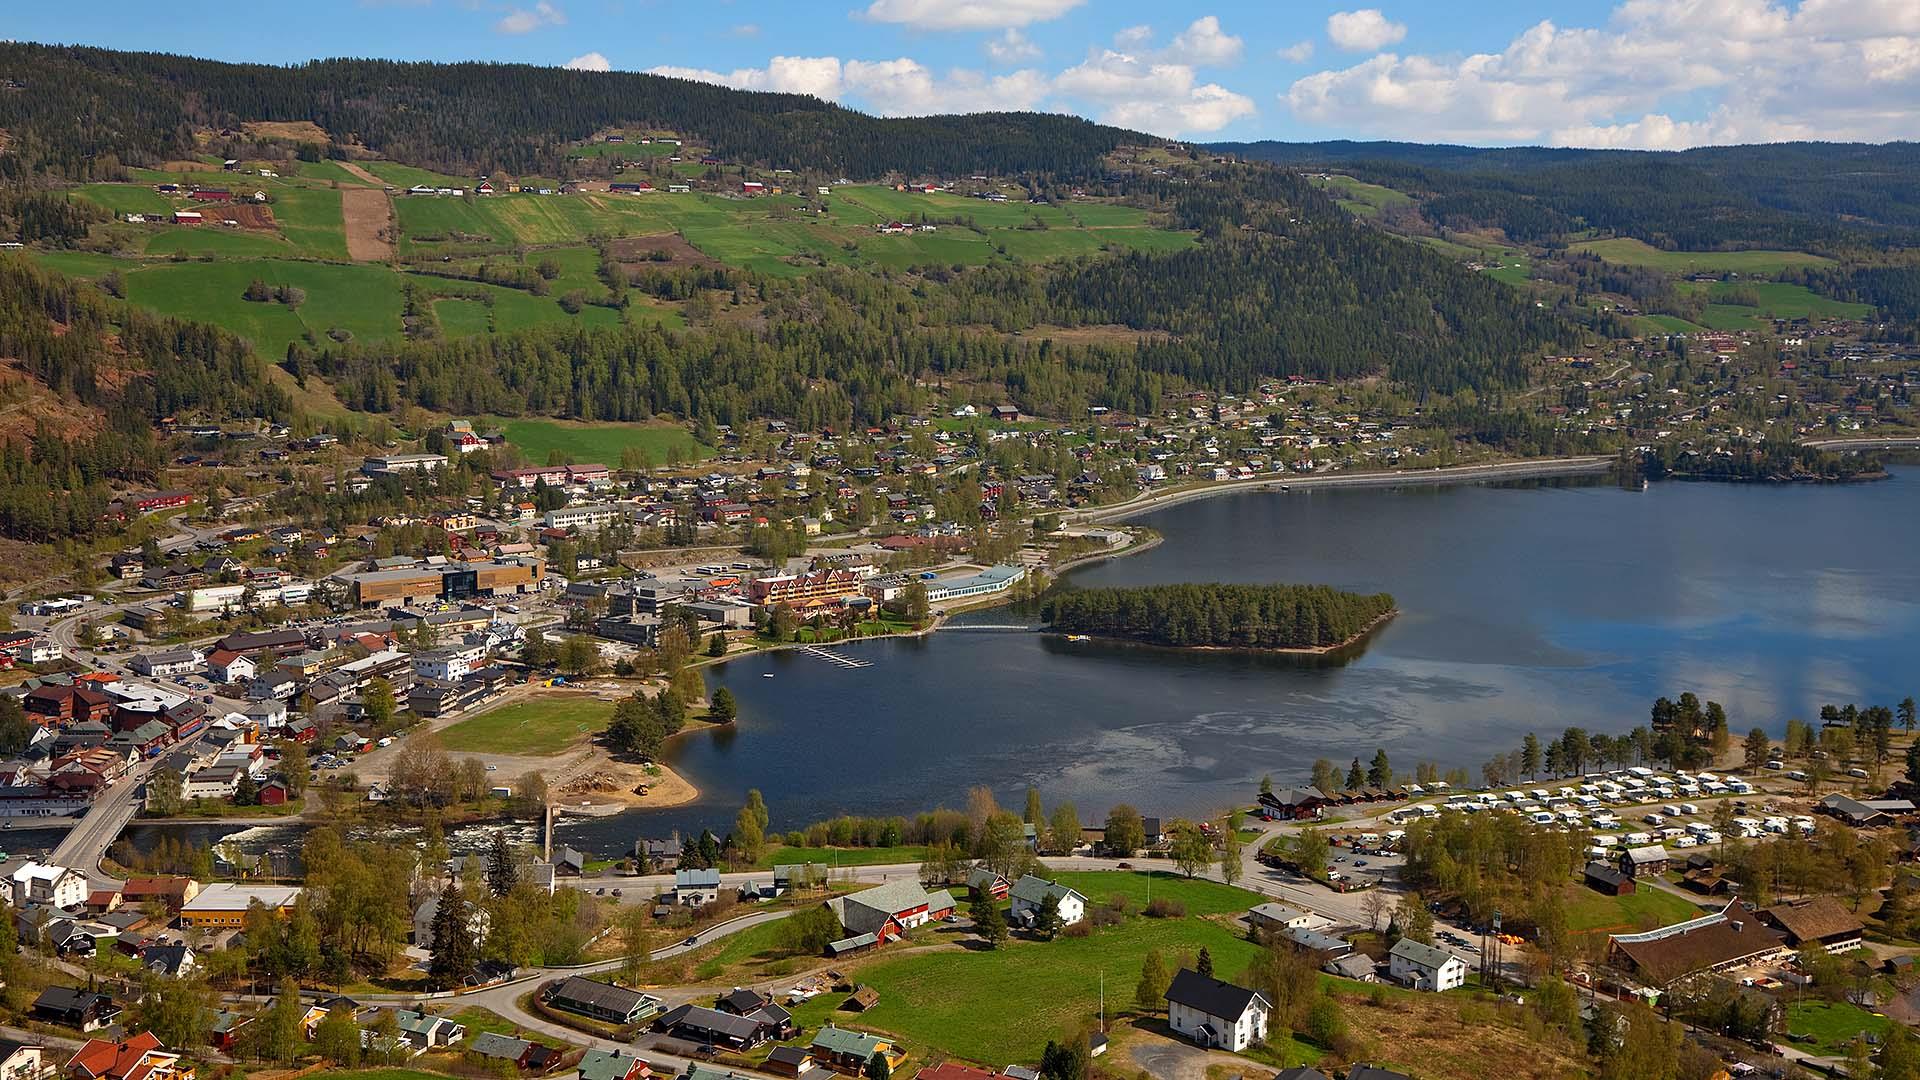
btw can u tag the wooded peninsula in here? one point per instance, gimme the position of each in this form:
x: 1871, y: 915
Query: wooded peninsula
x: 1292, y: 617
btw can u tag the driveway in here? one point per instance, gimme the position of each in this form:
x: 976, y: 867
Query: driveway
x: 1167, y: 1058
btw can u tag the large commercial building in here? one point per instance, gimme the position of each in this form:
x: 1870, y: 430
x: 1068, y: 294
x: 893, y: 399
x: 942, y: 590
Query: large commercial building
x: 225, y: 905
x: 820, y: 588
x: 397, y: 464
x: 447, y: 581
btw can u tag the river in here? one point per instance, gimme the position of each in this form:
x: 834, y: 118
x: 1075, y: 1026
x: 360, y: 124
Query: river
x: 1525, y: 607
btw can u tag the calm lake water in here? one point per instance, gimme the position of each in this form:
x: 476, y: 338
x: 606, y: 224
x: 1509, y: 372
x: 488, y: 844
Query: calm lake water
x: 1524, y: 608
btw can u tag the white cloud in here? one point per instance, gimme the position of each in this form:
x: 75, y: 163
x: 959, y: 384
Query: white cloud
x: 905, y: 87
x: 968, y: 14
x: 819, y: 76
x: 1011, y: 47
x: 527, y: 20
x: 745, y: 30
x: 1297, y: 53
x: 592, y: 61
x: 1151, y: 95
x: 1204, y: 44
x: 1659, y: 74
x: 1133, y: 37
x: 1365, y: 30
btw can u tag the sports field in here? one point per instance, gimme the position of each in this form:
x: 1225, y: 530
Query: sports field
x: 539, y: 727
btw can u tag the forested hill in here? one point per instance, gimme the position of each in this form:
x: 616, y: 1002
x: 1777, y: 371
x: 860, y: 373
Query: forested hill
x: 81, y: 112
x: 1792, y: 195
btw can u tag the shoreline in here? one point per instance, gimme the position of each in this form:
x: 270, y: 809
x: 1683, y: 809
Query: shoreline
x: 1545, y: 468
x: 1364, y: 633
x: 1284, y: 483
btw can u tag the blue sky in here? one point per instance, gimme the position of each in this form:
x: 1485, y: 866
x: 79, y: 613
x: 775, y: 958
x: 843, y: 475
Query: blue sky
x: 1648, y: 73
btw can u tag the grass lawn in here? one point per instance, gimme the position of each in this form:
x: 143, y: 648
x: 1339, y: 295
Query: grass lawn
x: 1832, y: 1025
x: 1200, y: 897
x: 1643, y: 909
x: 541, y: 726
x: 1631, y: 252
x: 759, y: 945
x: 1662, y: 324
x: 1777, y: 300
x: 601, y: 443
x: 854, y: 856
x: 126, y: 198
x: 1001, y: 1006
x: 1364, y: 199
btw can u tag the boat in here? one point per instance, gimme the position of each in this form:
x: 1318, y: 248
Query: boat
x: 1078, y: 637
x: 766, y: 674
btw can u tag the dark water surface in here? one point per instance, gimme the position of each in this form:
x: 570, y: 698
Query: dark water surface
x: 1524, y: 608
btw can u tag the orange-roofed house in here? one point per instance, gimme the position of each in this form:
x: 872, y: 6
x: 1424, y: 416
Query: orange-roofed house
x: 139, y: 1057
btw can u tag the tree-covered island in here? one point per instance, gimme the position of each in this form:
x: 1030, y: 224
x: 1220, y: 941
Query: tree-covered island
x: 1313, y: 618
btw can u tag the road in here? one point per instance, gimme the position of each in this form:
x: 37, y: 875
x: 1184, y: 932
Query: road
x: 1456, y: 474
x: 84, y: 845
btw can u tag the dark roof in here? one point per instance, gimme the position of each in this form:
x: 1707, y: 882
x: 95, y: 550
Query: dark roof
x: 1662, y: 956
x: 1375, y: 1072
x: 1601, y: 872
x: 1302, y: 1072
x: 1211, y: 996
x: 789, y: 1055
x: 701, y: 1018
x: 1817, y: 919
x: 740, y: 1000
x: 600, y: 995
x: 68, y: 999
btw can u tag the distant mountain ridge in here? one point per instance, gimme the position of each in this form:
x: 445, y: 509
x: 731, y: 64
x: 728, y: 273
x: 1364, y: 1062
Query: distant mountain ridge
x: 68, y: 107
x: 1810, y: 195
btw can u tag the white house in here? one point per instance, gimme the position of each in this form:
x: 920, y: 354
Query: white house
x: 167, y: 663
x: 226, y: 666
x: 44, y: 883
x: 1031, y: 893
x: 1214, y: 1013
x: 444, y: 665
x: 1424, y: 967
x: 20, y: 1060
x: 692, y: 888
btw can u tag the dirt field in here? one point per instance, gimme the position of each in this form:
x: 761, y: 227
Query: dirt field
x: 368, y: 217
x: 362, y: 173
x: 637, y: 251
x: 295, y: 130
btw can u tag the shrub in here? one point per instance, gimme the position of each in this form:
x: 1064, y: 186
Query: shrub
x: 1079, y: 929
x: 1163, y: 908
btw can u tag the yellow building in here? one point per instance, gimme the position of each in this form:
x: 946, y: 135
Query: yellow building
x: 223, y: 905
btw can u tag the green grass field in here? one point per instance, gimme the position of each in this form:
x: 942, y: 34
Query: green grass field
x: 1645, y: 908
x: 1630, y: 252
x: 831, y: 857
x: 1832, y: 1025
x: 1364, y: 199
x: 1001, y: 1006
x: 538, y: 727
x: 1777, y: 300
x: 1662, y: 324
x: 126, y: 198
x: 602, y: 443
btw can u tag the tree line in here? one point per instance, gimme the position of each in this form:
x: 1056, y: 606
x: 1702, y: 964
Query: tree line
x: 85, y: 111
x: 1234, y: 616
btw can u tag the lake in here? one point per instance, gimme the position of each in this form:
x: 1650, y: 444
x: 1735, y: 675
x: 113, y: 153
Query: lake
x: 1524, y: 607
